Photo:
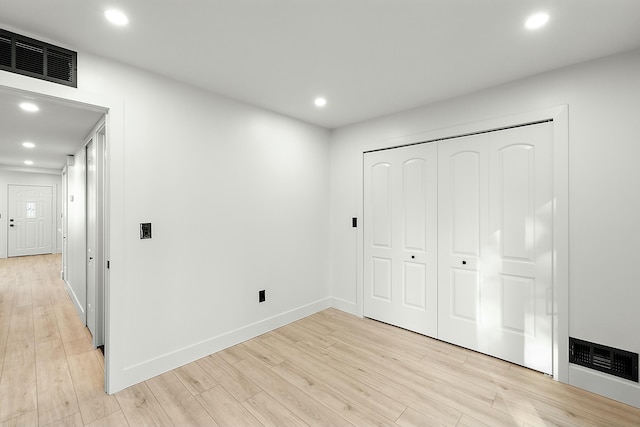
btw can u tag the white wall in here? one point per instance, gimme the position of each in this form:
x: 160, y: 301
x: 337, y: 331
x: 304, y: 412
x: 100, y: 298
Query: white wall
x: 8, y: 177
x: 604, y: 231
x: 239, y: 201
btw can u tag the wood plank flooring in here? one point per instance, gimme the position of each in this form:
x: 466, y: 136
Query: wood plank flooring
x: 329, y: 369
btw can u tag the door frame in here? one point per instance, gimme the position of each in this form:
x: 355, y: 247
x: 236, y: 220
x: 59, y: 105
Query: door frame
x: 113, y: 108
x: 90, y: 305
x: 560, y: 119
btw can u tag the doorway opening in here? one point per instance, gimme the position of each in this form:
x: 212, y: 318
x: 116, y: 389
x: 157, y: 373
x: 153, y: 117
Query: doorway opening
x: 65, y: 134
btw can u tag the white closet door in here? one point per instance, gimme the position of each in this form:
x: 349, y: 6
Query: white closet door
x: 495, y: 244
x: 400, y: 233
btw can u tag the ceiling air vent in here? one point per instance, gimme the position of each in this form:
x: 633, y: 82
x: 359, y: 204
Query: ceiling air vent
x: 613, y: 361
x: 33, y: 58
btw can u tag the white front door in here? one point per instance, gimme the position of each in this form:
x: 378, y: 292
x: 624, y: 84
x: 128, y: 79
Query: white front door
x: 495, y: 244
x: 30, y: 220
x: 400, y: 233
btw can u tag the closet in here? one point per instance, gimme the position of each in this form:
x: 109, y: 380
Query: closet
x: 458, y: 241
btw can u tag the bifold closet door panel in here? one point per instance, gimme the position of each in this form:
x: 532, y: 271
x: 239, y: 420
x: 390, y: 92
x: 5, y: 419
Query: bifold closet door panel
x: 400, y: 237
x: 495, y: 244
x: 462, y: 238
x: 520, y: 275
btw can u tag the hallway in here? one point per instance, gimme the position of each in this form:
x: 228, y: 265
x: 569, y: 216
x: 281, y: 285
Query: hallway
x: 50, y: 371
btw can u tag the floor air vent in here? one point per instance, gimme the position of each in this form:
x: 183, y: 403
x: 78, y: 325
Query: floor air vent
x: 33, y: 58
x: 613, y: 361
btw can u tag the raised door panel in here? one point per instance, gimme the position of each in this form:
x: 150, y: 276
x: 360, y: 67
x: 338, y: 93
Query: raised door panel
x: 381, y: 205
x: 381, y: 278
x: 464, y: 188
x: 518, y: 304
x: 414, y: 200
x: 42, y: 220
x: 516, y: 199
x: 31, y: 235
x: 465, y: 294
x: 414, y: 281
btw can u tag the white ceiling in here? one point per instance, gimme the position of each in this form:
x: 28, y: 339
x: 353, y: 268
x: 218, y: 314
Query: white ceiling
x: 58, y: 129
x: 367, y: 57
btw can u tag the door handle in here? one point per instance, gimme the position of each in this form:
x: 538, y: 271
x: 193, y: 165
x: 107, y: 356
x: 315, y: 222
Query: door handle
x: 90, y: 258
x: 10, y: 225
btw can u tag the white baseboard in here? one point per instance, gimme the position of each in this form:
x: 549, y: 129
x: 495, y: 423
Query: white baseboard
x: 74, y: 300
x: 619, y: 389
x: 346, y: 306
x: 150, y: 368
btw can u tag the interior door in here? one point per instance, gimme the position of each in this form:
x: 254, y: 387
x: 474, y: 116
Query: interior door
x: 495, y: 244
x: 400, y: 233
x: 91, y: 189
x: 65, y: 224
x: 95, y: 226
x: 30, y: 220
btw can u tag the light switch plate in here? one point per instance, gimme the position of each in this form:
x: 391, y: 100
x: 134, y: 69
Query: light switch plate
x: 145, y: 230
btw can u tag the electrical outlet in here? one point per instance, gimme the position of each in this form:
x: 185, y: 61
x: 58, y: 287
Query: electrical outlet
x: 262, y: 297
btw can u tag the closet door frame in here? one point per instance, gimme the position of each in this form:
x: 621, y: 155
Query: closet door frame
x: 560, y: 118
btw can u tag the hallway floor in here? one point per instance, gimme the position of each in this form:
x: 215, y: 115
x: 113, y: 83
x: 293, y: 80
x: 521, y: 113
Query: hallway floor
x: 49, y: 370
x: 329, y: 369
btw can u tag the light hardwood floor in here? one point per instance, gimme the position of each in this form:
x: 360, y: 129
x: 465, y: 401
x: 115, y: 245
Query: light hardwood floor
x: 329, y: 369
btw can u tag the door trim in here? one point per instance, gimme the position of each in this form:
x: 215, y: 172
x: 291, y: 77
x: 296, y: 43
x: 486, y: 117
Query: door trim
x: 560, y: 118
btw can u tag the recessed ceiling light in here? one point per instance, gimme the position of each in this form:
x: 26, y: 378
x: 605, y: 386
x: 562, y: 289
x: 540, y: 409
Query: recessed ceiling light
x: 30, y: 107
x: 116, y: 17
x: 28, y: 162
x: 536, y: 20
x: 320, y: 102
x: 28, y: 144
